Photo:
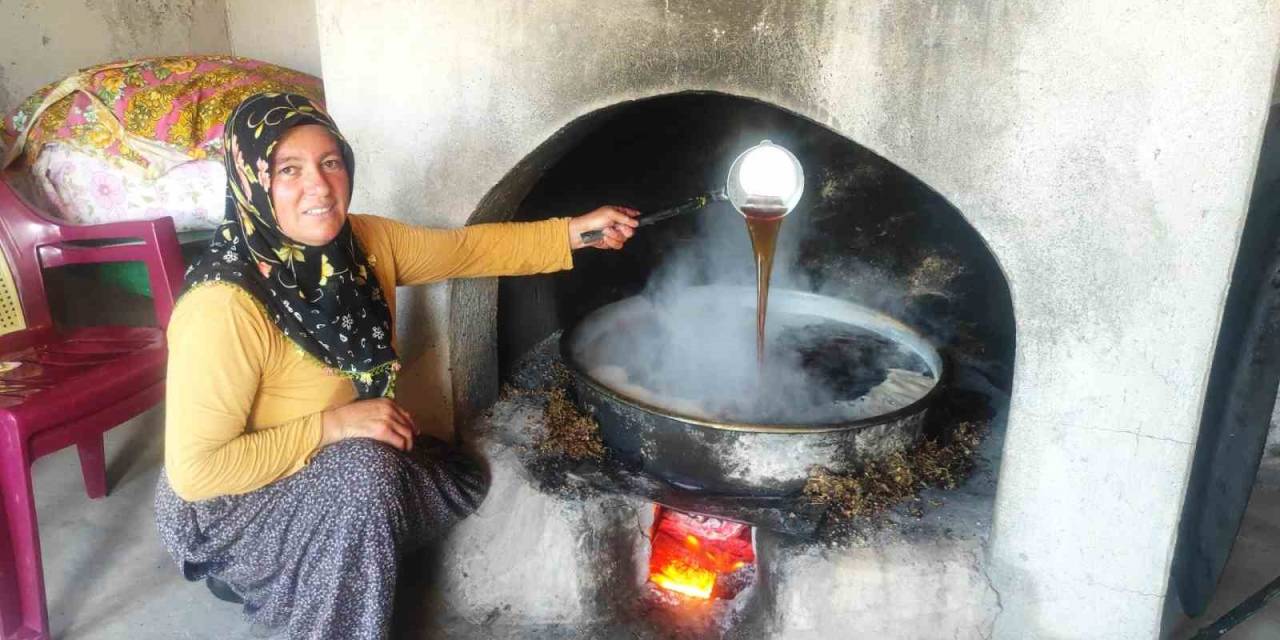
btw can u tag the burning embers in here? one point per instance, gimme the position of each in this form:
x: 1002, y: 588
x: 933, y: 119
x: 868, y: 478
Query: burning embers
x: 700, y: 557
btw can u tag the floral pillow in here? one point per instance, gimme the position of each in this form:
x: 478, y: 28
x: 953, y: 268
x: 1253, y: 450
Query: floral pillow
x: 85, y: 189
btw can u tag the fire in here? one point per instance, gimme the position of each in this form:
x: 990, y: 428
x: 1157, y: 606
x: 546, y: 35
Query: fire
x: 691, y: 552
x: 686, y: 580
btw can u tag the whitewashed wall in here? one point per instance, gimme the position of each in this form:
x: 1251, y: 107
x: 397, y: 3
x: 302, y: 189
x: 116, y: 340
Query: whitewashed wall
x: 281, y: 32
x: 1104, y: 150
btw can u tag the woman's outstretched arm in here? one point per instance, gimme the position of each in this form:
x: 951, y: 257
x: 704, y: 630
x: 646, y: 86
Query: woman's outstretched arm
x: 423, y: 254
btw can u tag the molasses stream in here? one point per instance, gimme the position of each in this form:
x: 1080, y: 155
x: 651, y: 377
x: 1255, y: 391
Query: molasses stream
x: 765, y: 183
x: 763, y: 226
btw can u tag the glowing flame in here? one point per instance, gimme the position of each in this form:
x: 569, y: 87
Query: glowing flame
x: 690, y: 552
x: 681, y: 578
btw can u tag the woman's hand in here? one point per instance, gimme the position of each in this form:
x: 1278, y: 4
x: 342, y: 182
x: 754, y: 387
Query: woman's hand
x: 617, y: 223
x: 380, y: 418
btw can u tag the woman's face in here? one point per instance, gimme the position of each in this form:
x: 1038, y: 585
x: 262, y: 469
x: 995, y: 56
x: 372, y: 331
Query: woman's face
x: 309, y: 185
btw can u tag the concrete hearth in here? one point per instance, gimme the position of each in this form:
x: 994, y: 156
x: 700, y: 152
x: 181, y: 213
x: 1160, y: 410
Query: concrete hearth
x: 581, y: 553
x: 1104, y: 153
x: 546, y: 563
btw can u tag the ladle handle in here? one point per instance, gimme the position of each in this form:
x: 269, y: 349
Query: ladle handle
x: 646, y: 219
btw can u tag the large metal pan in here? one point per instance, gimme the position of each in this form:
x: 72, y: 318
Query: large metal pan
x: 753, y: 459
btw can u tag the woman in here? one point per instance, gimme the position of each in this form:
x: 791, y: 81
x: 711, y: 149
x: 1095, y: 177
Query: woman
x: 293, y: 481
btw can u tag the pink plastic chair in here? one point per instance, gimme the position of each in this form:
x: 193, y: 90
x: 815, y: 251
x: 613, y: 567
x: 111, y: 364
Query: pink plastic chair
x: 64, y: 387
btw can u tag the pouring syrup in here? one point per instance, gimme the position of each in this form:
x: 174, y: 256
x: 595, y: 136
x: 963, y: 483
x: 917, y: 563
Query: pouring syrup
x: 763, y: 224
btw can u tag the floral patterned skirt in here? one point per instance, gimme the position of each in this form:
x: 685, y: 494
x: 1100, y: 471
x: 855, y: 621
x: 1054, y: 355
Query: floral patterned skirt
x: 317, y: 552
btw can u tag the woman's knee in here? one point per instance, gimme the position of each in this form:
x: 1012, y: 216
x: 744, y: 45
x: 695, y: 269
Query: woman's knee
x: 366, y: 473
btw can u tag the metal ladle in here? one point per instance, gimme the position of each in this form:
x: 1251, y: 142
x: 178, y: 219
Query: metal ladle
x: 765, y: 180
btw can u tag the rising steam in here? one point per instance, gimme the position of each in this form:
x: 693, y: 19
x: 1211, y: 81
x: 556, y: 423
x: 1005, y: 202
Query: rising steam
x: 687, y: 344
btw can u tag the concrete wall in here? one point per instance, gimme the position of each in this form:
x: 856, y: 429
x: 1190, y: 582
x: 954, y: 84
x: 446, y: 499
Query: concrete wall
x: 1105, y: 152
x: 47, y: 40
x: 281, y: 32
x: 1275, y: 95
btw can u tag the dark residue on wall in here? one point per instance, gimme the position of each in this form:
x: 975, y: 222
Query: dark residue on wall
x: 132, y: 24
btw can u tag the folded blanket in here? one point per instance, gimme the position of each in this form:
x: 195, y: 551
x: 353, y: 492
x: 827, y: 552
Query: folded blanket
x: 144, y: 116
x: 138, y: 139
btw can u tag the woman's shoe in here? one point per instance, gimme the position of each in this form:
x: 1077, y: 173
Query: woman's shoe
x: 222, y: 590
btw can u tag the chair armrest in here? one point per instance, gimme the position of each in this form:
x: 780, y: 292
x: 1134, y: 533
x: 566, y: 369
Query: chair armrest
x: 153, y: 242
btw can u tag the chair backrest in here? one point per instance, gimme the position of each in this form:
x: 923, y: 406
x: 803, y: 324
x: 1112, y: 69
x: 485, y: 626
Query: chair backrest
x: 23, y: 301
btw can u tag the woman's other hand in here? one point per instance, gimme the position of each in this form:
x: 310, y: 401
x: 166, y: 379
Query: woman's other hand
x: 617, y: 224
x: 380, y: 418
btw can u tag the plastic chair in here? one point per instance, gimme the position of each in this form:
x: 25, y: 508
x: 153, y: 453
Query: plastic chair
x: 64, y: 387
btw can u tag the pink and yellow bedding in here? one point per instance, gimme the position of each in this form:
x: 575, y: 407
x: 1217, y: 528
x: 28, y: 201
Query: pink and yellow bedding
x: 138, y: 139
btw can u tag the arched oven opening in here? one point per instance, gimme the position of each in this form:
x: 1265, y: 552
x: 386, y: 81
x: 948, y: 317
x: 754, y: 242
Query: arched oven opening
x: 868, y: 245
x: 865, y: 231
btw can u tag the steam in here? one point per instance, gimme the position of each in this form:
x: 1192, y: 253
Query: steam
x: 687, y: 344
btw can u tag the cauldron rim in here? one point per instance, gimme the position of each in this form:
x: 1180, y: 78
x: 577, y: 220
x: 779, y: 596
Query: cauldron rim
x: 566, y: 355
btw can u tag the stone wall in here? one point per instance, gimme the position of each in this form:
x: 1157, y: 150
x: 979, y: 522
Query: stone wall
x: 1104, y: 152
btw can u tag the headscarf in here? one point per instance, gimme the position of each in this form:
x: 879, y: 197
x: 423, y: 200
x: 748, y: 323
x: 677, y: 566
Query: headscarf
x: 325, y: 299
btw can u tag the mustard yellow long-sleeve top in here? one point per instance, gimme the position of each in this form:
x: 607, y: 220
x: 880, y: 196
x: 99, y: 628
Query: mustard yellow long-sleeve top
x: 244, y: 404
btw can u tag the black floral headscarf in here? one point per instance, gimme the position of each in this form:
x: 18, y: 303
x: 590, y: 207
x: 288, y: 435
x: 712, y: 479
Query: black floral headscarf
x: 325, y: 299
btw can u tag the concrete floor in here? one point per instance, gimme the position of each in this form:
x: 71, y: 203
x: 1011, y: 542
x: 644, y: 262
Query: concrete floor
x: 106, y: 575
